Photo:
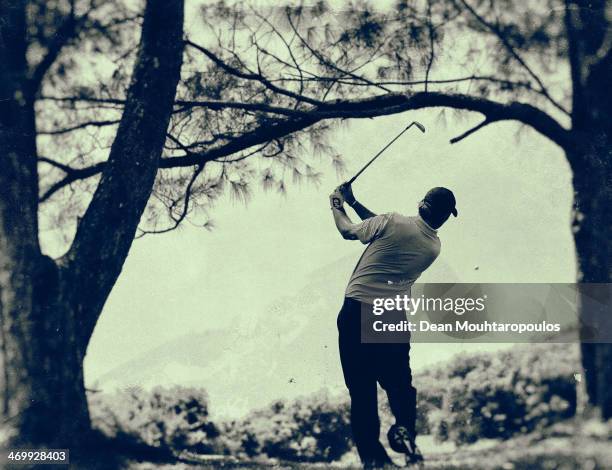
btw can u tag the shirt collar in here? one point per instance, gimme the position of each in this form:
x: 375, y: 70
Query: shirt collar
x: 425, y: 225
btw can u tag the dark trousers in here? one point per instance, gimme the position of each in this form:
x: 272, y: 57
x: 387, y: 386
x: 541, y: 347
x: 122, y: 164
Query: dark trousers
x: 364, y: 365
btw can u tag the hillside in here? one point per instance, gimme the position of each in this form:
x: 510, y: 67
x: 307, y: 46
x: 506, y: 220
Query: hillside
x: 284, y: 351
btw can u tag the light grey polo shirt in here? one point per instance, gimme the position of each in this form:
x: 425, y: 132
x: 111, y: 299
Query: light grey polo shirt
x: 399, y: 249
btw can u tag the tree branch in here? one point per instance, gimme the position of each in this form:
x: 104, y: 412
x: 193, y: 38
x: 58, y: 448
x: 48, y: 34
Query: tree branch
x: 432, y: 43
x: 327, y: 62
x: 352, y: 81
x: 72, y: 175
x: 363, y: 108
x: 250, y: 76
x: 495, y: 30
x: 61, y: 166
x: 216, y: 105
x: 470, y: 131
x: 81, y: 125
x: 184, y: 211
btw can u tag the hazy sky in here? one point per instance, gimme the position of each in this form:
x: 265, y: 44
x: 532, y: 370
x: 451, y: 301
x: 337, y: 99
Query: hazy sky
x: 513, y: 198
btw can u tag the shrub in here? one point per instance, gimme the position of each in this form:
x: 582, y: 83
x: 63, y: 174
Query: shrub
x: 500, y: 395
x: 174, y: 418
x: 312, y: 429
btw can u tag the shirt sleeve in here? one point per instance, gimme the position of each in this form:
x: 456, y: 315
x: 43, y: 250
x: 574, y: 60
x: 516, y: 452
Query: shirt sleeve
x: 370, y: 229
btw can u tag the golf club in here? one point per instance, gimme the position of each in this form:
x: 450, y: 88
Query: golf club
x: 421, y: 127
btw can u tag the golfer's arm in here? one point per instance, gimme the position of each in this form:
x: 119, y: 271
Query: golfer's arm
x: 344, y: 224
x: 362, y: 211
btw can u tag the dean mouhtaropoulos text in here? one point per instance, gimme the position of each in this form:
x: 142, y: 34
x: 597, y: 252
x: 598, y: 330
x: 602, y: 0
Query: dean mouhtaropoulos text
x: 465, y: 326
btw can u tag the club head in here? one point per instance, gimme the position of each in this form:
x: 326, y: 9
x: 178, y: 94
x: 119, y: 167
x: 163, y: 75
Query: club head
x: 419, y: 125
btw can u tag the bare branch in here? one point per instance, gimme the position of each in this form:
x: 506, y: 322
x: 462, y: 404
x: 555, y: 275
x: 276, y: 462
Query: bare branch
x: 85, y: 99
x: 431, y: 31
x: 469, y: 132
x: 250, y: 76
x: 327, y: 62
x: 185, y: 210
x: 61, y: 166
x: 81, y: 125
x: 74, y: 174
x: 259, y: 149
x: 287, y: 46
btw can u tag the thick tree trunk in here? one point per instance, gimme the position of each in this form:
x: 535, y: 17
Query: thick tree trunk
x: 591, y: 160
x: 21, y: 263
x: 592, y: 228
x: 47, y: 405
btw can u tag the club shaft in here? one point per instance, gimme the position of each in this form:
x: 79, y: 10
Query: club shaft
x: 378, y: 154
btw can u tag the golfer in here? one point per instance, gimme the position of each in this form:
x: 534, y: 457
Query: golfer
x: 399, y: 249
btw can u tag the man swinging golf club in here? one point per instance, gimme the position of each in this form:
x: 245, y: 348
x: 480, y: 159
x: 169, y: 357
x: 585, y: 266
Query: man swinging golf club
x: 399, y: 249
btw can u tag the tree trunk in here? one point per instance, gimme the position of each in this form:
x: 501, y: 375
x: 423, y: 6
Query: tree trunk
x: 47, y: 405
x: 591, y: 160
x: 592, y: 229
x: 20, y: 258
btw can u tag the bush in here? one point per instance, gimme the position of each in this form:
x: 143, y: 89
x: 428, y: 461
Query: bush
x: 174, y: 419
x: 306, y: 430
x: 500, y: 395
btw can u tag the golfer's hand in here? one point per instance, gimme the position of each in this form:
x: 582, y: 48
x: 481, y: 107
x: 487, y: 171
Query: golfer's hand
x: 347, y: 193
x: 336, y: 200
